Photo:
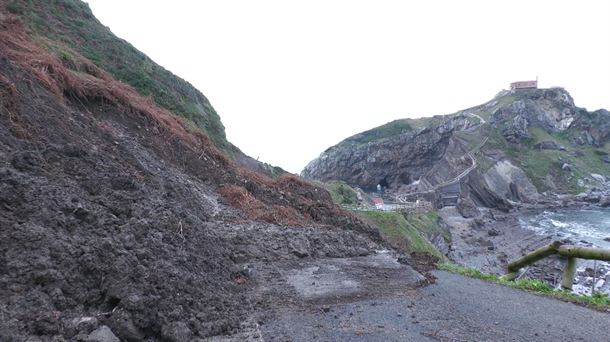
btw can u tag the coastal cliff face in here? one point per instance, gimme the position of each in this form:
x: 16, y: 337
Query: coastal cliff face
x: 401, y: 154
x: 523, y: 143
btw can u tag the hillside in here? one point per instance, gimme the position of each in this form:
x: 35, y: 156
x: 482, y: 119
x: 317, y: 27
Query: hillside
x: 120, y: 216
x: 525, y: 143
x: 68, y: 29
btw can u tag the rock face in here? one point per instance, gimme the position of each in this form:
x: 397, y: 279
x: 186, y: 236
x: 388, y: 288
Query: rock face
x: 508, y: 181
x: 552, y: 110
x: 604, y: 201
x: 390, y: 161
x: 467, y: 208
x: 515, y: 129
x: 594, y: 127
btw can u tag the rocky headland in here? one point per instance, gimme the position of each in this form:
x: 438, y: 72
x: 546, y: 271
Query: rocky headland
x: 524, y: 150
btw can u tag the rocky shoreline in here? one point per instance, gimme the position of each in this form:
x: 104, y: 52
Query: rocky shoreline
x: 487, y: 239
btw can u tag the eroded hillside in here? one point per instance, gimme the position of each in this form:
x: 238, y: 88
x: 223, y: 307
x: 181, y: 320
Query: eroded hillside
x: 115, y: 211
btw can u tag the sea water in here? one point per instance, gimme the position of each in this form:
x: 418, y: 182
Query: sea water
x: 590, y: 225
x: 583, y: 227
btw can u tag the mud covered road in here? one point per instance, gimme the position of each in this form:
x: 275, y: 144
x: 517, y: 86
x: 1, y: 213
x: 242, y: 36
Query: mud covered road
x: 377, y: 299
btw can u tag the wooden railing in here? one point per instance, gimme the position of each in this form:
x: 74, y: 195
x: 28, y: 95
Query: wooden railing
x: 569, y: 251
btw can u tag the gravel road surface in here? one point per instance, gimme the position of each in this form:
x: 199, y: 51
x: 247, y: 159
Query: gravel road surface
x: 455, y: 308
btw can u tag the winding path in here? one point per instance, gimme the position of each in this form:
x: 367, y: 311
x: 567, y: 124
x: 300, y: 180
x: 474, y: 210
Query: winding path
x: 403, y: 198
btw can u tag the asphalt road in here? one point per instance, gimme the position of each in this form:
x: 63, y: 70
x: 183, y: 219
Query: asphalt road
x: 455, y: 308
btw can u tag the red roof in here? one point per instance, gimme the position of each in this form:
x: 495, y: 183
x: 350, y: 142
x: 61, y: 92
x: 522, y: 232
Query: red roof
x: 377, y: 200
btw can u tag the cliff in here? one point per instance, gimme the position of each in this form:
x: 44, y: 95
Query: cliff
x: 522, y: 143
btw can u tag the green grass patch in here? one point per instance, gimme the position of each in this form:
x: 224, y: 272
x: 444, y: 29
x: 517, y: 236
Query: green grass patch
x: 485, y: 110
x: 392, y: 129
x: 598, y: 300
x: 408, y: 233
x: 342, y: 193
x: 542, y: 166
x: 384, y: 131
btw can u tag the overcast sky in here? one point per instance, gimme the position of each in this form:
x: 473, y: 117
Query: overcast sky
x: 291, y: 78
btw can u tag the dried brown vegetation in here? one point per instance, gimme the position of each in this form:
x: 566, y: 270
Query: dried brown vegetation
x: 282, y: 200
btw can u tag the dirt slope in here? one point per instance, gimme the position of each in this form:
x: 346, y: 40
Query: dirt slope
x: 114, y: 212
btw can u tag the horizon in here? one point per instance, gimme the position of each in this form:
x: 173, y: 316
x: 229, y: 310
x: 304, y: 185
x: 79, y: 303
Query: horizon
x: 320, y: 72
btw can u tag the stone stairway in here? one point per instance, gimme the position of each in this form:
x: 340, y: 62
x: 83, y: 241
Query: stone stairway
x: 450, y: 193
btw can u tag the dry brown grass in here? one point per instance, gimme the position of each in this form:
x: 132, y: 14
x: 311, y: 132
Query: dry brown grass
x: 96, y: 85
x: 240, y: 198
x: 8, y: 109
x: 284, y: 200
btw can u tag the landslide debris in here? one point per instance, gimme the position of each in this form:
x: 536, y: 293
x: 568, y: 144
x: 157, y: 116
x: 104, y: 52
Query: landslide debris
x: 120, y: 219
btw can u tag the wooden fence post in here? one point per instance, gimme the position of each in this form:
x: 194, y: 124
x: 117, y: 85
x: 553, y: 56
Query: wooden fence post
x: 568, y: 273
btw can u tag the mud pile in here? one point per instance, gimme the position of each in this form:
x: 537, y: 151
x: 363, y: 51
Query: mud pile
x: 111, y: 211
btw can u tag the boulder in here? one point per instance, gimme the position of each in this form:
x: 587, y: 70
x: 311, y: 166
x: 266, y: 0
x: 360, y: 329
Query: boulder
x: 85, y: 324
x: 606, y: 159
x: 510, y: 182
x: 483, y: 195
x: 598, y: 177
x: 176, y: 332
x: 592, y: 198
x: 604, y: 201
x: 493, y: 232
x: 102, y: 334
x: 124, y: 326
x: 467, y: 208
x: 299, y: 246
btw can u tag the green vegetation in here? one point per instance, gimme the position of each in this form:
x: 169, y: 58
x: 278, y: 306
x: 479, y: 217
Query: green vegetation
x: 544, y: 167
x: 69, y: 25
x: 541, y: 164
x: 342, y: 193
x: 392, y: 129
x: 598, y: 300
x: 388, y: 130
x: 408, y: 232
x: 15, y: 7
x: 485, y: 110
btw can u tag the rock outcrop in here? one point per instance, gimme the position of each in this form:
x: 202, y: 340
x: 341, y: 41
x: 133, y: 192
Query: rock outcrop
x: 508, y: 181
x: 514, y: 131
x: 467, y: 208
x: 390, y: 161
